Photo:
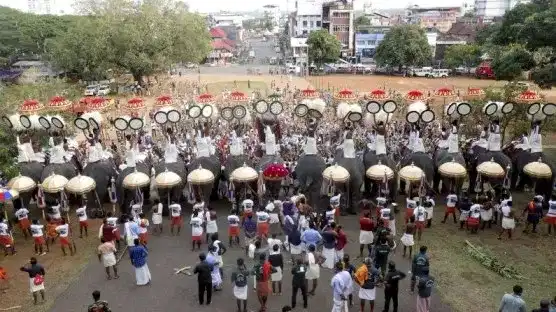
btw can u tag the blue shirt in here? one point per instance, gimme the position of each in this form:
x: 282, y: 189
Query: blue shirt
x: 249, y: 225
x: 311, y: 237
x: 138, y: 255
x: 134, y: 228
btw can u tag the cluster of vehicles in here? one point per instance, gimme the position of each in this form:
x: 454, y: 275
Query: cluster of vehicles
x: 97, y: 90
x: 429, y: 72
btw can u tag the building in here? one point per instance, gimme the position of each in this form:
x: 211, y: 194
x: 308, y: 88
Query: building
x: 300, y: 50
x: 489, y: 10
x: 337, y: 18
x: 306, y: 18
x: 440, y: 18
x: 272, y: 12
x: 226, y: 19
x: 222, y: 47
x: 366, y: 44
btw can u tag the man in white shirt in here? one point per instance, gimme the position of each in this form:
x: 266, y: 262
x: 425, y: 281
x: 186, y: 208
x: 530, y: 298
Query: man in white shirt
x: 81, y: 213
x: 233, y: 229
x: 420, y: 214
x: 474, y: 219
x: 38, y: 238
x: 157, y: 216
x: 196, y: 230
x: 451, y: 203
x: 430, y: 209
x: 6, y: 240
x: 211, y: 223
x: 410, y: 205
x: 54, y: 213
x: 175, y: 214
x: 63, y: 233
x: 508, y: 221
x: 22, y: 215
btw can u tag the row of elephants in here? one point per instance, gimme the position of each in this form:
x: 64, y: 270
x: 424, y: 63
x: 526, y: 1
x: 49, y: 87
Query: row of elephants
x: 309, y: 169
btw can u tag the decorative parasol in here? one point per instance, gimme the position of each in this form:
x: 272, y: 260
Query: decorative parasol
x: 377, y: 95
x: 491, y: 169
x: 81, y: 185
x: 411, y: 173
x: 415, y: 95
x: 22, y: 184
x: 475, y: 92
x: 7, y: 195
x: 444, y: 92
x: 538, y: 169
x: 167, y: 179
x: 452, y: 169
x: 205, y: 98
x: 135, y: 180
x: 200, y: 176
x: 163, y: 100
x: 30, y: 107
x: 528, y: 96
x: 98, y: 104
x: 59, y: 103
x: 238, y: 96
x: 54, y: 183
x: 336, y: 174
x: 309, y: 94
x: 244, y: 174
x: 346, y: 95
x: 378, y: 171
x: 135, y: 104
x: 275, y: 172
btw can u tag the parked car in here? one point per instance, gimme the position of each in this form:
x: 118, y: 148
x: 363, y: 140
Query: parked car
x: 439, y: 73
x: 103, y: 90
x: 91, y: 90
x: 422, y: 72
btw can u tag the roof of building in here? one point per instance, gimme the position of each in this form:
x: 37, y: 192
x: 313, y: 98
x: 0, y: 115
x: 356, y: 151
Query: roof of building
x: 309, y: 7
x: 219, y: 44
x: 229, y: 42
x: 217, y: 32
x: 298, y: 42
x: 463, y: 30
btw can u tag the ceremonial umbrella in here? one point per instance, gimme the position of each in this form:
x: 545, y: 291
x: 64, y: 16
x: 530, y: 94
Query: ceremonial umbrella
x: 491, y: 169
x: 336, y: 173
x: 80, y: 185
x: 379, y: 171
x: 415, y: 95
x: 244, y: 174
x: 472, y: 92
x: 135, y: 104
x: 238, y: 96
x: 528, y: 96
x: 411, y: 173
x: 30, y: 107
x: 22, y: 184
x: 377, y: 95
x: 58, y: 104
x: 538, y: 169
x: 54, y: 183
x: 205, y: 98
x: 452, y: 169
x: 98, y: 104
x: 163, y: 100
x: 200, y: 176
x: 135, y: 180
x: 167, y: 179
x: 346, y: 95
x: 444, y: 92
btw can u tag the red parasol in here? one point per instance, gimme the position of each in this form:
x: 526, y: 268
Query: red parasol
x: 377, y: 94
x: 163, y: 100
x: 59, y: 103
x: 275, y: 172
x: 309, y: 94
x: 415, y: 95
x: 444, y: 92
x: 529, y: 96
x: 30, y: 107
x: 346, y: 95
x: 205, y: 98
x: 475, y: 92
x: 238, y: 96
x: 97, y: 104
x: 135, y: 104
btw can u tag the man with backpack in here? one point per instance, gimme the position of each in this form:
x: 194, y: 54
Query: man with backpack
x: 419, y: 265
x: 239, y: 280
x: 98, y: 305
x: 382, y: 250
x: 367, y: 277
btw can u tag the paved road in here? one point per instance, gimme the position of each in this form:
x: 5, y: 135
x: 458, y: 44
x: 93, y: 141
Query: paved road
x: 169, y: 292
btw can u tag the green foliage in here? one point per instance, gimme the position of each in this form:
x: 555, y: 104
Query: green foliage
x: 492, y: 263
x: 462, y: 54
x: 510, y: 63
x: 323, y: 47
x: 362, y: 20
x: 284, y: 40
x: 404, y: 45
x: 8, y: 152
x: 138, y: 38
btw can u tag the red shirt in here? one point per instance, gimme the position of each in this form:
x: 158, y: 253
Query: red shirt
x: 366, y: 224
x: 341, y: 240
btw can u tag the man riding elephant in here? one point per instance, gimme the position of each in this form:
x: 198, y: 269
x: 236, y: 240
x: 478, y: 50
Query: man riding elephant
x: 207, y: 158
x: 269, y: 131
x: 345, y: 157
x: 237, y: 159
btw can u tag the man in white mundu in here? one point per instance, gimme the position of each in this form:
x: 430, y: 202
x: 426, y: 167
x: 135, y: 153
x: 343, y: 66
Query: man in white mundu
x: 196, y: 230
x: 175, y: 214
x: 508, y: 221
x: 451, y: 202
x: 494, y: 139
x: 550, y: 218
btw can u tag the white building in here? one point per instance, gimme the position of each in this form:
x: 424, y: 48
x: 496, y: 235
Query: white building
x: 489, y: 9
x: 273, y: 12
x: 228, y: 20
x: 308, y: 17
x: 299, y: 49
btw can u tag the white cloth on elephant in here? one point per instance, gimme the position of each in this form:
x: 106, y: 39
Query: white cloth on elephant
x: 419, y: 146
x: 25, y: 152
x: 236, y: 148
x: 270, y: 141
x: 482, y: 142
x: 380, y: 143
x: 453, y: 143
x: 170, y: 153
x: 536, y: 141
x: 95, y: 153
x: 310, y: 146
x: 57, y: 154
x: 494, y: 139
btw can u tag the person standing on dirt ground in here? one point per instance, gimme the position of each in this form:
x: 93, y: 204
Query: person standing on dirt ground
x: 98, y: 305
x: 419, y: 264
x: 391, y: 287
x: 36, y: 278
x: 240, y: 281
x: 424, y: 287
x: 298, y: 282
x: 6, y: 239
x: 534, y: 213
x: 38, y: 237
x: 157, y: 217
x: 513, y: 302
x: 63, y: 231
x: 407, y: 239
x: 83, y: 222
x: 107, y: 255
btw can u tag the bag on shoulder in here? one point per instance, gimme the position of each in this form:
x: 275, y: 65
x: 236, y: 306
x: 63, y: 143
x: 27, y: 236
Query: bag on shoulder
x: 38, y: 280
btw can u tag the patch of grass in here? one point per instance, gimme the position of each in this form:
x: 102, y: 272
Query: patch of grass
x: 467, y: 285
x: 243, y: 86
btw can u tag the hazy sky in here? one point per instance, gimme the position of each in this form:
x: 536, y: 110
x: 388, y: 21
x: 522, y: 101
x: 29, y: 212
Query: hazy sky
x: 216, y: 5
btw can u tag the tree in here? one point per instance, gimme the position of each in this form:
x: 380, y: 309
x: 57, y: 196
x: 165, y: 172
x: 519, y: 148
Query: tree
x: 140, y: 38
x: 323, y: 47
x: 284, y: 40
x: 462, y: 55
x: 362, y: 20
x: 404, y: 45
x: 510, y: 63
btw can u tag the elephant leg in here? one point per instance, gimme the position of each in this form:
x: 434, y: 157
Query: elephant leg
x: 515, y: 178
x: 472, y: 180
x: 436, y: 181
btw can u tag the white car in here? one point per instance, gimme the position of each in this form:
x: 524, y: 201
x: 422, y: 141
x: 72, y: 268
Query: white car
x: 103, y: 90
x: 91, y: 90
x: 440, y: 73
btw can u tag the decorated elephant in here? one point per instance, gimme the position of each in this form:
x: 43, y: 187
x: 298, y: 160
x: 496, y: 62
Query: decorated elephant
x: 207, y: 158
x: 269, y: 133
x: 345, y: 157
x: 488, y: 149
x: 172, y: 162
x: 418, y: 113
x: 310, y: 166
x: 375, y: 153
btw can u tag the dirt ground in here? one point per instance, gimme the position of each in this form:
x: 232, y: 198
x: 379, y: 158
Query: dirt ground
x: 368, y: 83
